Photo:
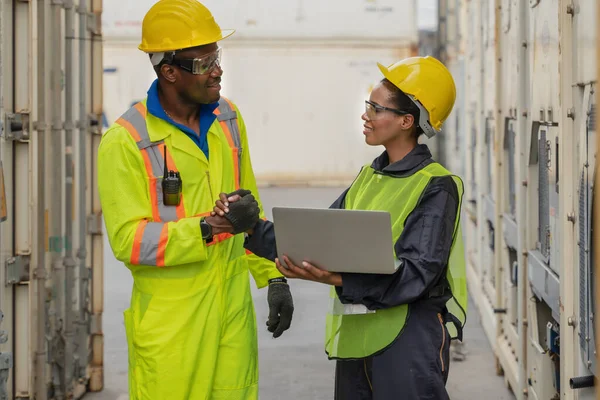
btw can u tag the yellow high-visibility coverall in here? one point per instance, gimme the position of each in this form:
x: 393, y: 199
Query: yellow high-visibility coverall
x: 191, y: 327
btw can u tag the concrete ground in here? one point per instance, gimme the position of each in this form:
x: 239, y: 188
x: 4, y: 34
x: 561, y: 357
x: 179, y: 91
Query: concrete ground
x: 293, y: 366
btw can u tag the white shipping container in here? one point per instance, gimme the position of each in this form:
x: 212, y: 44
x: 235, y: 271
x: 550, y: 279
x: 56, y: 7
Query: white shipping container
x: 394, y: 20
x: 300, y: 84
x: 51, y: 246
x: 530, y: 91
x: 302, y: 104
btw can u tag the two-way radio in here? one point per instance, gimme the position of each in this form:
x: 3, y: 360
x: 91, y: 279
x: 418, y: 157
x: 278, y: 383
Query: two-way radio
x: 171, y: 185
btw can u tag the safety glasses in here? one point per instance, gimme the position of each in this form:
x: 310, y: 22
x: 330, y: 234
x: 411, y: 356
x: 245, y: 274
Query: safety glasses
x: 375, y: 111
x: 201, y: 65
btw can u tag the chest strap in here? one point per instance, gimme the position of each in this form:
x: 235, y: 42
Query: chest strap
x: 227, y: 117
x: 134, y: 121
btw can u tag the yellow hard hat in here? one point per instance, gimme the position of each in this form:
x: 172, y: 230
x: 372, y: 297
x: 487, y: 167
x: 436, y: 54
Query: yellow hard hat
x: 429, y: 84
x: 179, y: 24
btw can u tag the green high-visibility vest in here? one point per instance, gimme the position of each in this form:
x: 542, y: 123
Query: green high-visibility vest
x: 350, y: 335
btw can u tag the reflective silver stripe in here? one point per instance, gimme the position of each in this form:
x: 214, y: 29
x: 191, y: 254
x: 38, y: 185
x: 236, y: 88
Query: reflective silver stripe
x: 337, y: 308
x: 157, y: 159
x: 144, y: 144
x: 230, y: 117
x: 137, y: 120
x: 149, y: 245
x: 226, y: 116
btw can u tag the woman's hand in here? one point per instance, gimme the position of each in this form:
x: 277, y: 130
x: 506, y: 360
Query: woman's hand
x: 308, y: 272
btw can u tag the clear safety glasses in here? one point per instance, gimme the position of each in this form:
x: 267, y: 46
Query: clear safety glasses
x: 201, y: 65
x: 375, y: 111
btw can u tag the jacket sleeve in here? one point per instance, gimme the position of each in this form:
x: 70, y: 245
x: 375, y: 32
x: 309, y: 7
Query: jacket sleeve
x: 261, y: 268
x: 262, y: 242
x: 423, y: 247
x: 124, y: 196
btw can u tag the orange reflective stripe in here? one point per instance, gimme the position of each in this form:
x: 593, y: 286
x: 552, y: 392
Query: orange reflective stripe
x: 153, y: 189
x: 225, y: 129
x: 132, y: 131
x: 221, y: 237
x: 150, y: 243
x: 143, y: 110
x: 162, y: 246
x: 146, y: 157
x: 137, y: 242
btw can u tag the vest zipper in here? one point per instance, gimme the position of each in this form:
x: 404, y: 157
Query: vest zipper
x: 210, y: 186
x: 443, y: 341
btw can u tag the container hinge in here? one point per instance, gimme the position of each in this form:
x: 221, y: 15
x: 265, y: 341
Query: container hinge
x: 95, y: 324
x: 94, y: 224
x: 6, y: 363
x: 17, y: 269
x: 16, y: 126
x: 94, y: 24
x: 94, y: 124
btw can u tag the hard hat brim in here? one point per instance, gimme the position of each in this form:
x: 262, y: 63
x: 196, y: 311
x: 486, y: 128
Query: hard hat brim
x: 384, y: 70
x: 225, y: 33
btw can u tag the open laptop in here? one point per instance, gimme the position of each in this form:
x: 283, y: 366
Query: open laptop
x: 336, y: 240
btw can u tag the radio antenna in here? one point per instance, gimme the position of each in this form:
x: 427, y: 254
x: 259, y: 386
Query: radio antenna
x: 166, y: 170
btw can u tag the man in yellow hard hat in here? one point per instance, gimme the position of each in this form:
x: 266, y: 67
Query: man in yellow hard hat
x: 191, y: 326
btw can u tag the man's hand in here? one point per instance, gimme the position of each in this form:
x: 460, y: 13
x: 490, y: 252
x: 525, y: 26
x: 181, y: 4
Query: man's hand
x: 281, y: 307
x: 235, y: 201
x: 219, y: 224
x: 243, y: 214
x: 308, y: 272
x: 222, y: 205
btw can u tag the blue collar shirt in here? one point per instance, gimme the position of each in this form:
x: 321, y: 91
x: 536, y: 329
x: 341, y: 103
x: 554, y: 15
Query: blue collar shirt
x: 207, y: 118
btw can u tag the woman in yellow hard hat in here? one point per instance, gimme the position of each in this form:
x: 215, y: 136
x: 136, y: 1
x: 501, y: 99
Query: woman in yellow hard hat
x: 397, y: 345
x: 191, y: 326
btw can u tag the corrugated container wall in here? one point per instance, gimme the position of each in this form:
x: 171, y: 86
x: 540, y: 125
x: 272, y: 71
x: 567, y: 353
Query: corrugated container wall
x: 526, y: 122
x: 299, y: 71
x: 50, y: 230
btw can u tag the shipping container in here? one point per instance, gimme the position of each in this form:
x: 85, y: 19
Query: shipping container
x: 299, y: 74
x: 527, y: 73
x: 51, y: 243
x: 394, y: 20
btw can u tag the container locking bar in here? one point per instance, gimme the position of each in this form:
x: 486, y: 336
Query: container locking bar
x: 17, y: 269
x: 16, y: 126
x: 580, y: 382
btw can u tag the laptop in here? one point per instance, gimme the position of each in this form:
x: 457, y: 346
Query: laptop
x: 353, y: 241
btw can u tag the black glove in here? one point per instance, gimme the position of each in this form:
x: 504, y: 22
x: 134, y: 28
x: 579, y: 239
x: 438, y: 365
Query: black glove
x: 281, y: 307
x: 240, y: 192
x: 243, y: 214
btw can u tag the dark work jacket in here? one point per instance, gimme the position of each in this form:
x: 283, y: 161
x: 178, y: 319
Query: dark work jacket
x: 423, y: 247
